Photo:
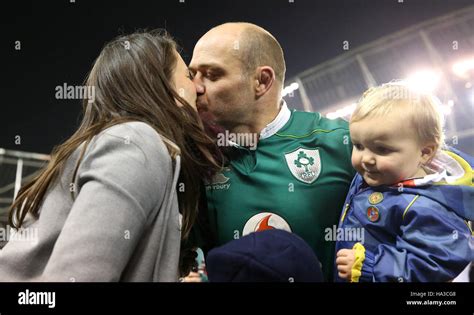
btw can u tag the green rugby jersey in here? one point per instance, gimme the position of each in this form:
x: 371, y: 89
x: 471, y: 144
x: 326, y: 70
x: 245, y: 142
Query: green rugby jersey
x: 296, y: 179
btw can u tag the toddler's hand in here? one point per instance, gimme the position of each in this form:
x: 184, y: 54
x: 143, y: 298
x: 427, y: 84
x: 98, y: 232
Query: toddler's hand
x: 345, y: 259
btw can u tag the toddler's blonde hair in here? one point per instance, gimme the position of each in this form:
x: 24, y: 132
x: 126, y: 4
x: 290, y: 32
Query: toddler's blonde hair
x: 423, y: 110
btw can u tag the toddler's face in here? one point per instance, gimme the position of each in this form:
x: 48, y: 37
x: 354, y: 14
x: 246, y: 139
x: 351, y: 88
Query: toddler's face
x: 386, y: 150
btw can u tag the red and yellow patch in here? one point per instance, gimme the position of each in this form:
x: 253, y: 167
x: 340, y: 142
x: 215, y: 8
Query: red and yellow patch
x: 373, y: 214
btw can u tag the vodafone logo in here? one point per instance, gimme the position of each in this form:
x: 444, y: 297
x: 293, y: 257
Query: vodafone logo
x: 265, y: 221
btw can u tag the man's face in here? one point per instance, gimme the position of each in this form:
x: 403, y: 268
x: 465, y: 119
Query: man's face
x: 224, y: 90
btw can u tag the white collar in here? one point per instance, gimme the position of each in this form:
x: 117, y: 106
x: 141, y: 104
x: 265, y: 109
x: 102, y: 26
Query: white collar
x: 278, y: 123
x: 444, y: 168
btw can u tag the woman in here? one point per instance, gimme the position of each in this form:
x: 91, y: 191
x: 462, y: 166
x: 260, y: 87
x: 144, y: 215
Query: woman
x: 118, y: 196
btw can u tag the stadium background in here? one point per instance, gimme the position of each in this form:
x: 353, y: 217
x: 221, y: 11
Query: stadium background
x: 435, y: 54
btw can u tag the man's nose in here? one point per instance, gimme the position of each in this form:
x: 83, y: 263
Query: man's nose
x: 200, y: 88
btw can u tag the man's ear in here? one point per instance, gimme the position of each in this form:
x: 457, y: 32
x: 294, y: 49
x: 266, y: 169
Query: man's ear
x: 265, y: 77
x: 428, y: 152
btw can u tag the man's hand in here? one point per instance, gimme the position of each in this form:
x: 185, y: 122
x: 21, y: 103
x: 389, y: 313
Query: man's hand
x: 345, y: 259
x: 192, y: 277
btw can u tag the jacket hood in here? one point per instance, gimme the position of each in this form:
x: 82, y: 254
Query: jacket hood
x: 450, y: 183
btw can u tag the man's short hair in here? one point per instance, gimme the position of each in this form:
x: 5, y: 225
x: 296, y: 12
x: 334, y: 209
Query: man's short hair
x: 259, y: 48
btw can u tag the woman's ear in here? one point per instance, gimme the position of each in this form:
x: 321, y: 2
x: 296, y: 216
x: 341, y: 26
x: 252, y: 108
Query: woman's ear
x: 265, y: 76
x: 428, y: 152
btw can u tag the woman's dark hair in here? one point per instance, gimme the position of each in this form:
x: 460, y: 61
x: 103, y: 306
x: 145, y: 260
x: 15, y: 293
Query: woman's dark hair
x: 132, y: 78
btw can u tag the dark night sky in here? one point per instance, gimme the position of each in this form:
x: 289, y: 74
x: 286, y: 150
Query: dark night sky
x: 60, y: 40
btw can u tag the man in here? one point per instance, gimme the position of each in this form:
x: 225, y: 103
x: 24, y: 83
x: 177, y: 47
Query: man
x: 297, y: 175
